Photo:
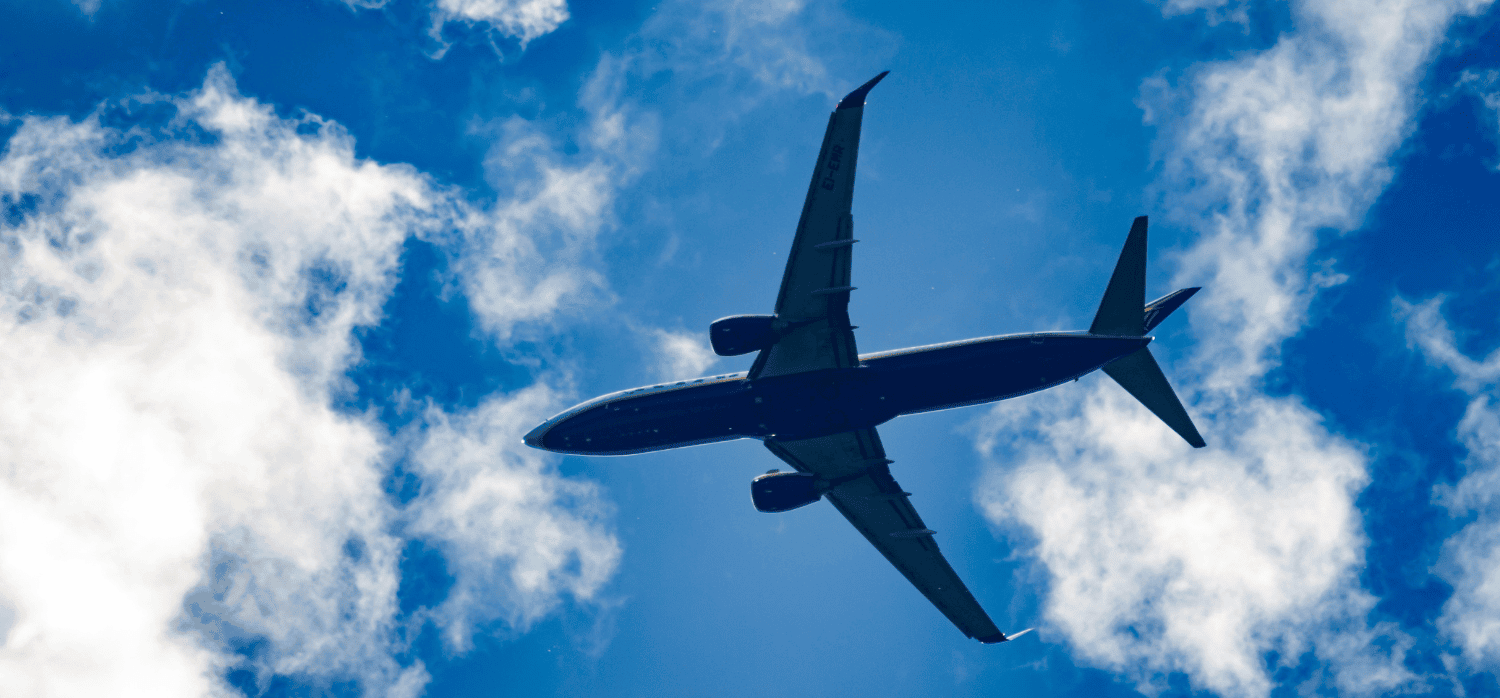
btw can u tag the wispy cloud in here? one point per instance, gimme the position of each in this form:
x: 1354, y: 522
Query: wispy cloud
x: 1166, y: 560
x: 1471, y: 558
x: 522, y: 20
x: 516, y: 537
x: 178, y: 306
x: 553, y: 208
x: 1485, y: 85
x: 726, y: 58
x: 1214, y: 11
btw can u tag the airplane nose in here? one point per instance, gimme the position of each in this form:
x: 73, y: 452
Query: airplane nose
x: 534, y: 437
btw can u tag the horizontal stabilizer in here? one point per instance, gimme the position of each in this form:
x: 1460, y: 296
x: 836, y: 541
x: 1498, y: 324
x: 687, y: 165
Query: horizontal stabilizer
x: 1159, y: 309
x: 1120, y: 310
x: 1139, y: 375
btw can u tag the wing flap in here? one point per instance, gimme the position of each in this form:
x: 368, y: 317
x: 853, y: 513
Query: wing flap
x: 869, y: 497
x: 813, y: 302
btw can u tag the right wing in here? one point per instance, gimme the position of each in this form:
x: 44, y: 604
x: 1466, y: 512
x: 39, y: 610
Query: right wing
x: 869, y: 498
x: 813, y: 305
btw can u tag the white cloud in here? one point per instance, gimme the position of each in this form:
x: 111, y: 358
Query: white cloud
x: 521, y: 20
x: 516, y: 536
x: 531, y: 256
x: 681, y: 354
x: 1163, y: 559
x: 1471, y: 558
x: 177, y: 317
x: 1164, y: 563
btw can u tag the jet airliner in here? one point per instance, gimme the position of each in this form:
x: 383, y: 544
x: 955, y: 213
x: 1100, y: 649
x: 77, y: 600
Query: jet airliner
x: 815, y: 402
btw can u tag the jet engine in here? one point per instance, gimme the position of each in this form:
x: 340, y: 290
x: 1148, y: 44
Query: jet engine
x: 742, y: 334
x: 777, y: 491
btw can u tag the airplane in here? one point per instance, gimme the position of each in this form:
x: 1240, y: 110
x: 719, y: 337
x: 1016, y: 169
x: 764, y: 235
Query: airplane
x: 815, y: 402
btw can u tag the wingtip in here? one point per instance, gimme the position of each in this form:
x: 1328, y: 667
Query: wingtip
x: 857, y: 97
x: 998, y: 638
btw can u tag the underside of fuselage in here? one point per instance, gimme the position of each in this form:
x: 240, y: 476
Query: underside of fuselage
x: 885, y: 385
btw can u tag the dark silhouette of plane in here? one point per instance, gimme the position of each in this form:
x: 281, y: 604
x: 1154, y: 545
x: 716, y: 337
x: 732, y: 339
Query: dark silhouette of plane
x: 815, y: 402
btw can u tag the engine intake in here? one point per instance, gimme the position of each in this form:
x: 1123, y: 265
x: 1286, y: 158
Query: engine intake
x: 742, y: 334
x: 778, y: 491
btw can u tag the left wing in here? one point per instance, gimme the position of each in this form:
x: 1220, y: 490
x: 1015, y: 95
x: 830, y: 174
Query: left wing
x: 867, y: 495
x: 812, y: 308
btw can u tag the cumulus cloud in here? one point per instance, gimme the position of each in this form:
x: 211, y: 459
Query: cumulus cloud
x: 760, y: 40
x: 1471, y: 558
x: 681, y: 354
x: 553, y: 208
x: 516, y: 537
x: 178, y: 499
x: 1167, y: 560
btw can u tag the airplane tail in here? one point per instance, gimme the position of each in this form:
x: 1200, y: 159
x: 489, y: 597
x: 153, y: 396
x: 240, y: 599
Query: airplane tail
x: 1120, y: 314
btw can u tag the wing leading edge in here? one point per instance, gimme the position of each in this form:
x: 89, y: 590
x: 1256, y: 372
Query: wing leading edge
x: 812, y: 318
x: 870, y: 499
x: 812, y: 308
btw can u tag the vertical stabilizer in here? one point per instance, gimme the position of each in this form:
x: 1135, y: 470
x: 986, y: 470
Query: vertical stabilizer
x: 1123, y: 312
x: 1120, y: 310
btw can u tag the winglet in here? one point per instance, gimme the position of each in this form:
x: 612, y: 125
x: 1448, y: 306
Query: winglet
x: 998, y: 638
x: 856, y: 98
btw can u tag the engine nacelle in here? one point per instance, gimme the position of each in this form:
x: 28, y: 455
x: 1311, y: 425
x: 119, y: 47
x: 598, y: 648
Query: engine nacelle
x: 778, y: 491
x: 742, y: 334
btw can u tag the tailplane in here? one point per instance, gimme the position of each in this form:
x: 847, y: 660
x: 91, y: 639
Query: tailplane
x: 1139, y: 375
x: 1124, y: 312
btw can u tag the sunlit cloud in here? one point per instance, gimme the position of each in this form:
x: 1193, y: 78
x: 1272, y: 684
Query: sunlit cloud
x: 179, y: 500
x: 681, y: 354
x: 1167, y: 560
x: 515, y: 536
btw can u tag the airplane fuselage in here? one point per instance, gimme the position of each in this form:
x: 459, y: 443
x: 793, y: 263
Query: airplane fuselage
x: 885, y: 385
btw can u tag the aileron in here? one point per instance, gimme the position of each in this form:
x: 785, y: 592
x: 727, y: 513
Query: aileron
x: 815, y: 404
x: 870, y: 498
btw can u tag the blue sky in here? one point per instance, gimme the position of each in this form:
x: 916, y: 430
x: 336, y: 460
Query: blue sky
x: 284, y: 283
